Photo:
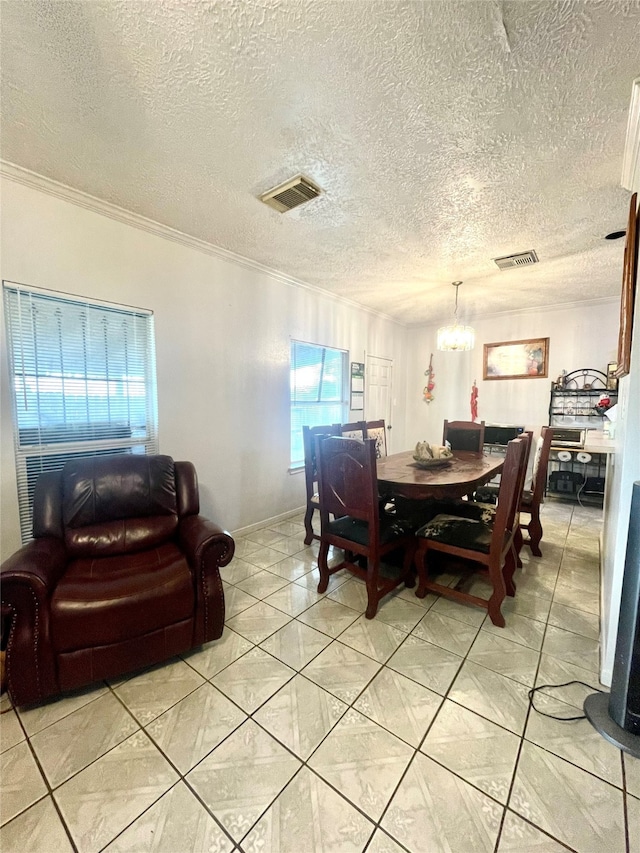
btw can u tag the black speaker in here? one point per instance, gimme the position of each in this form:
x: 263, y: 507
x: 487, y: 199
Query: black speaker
x: 566, y: 482
x: 616, y: 715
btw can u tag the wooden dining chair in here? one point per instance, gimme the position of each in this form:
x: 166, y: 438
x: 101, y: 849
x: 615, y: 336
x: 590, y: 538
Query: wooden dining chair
x: 532, y: 498
x: 377, y: 430
x: 488, y: 544
x: 311, y: 473
x: 464, y: 435
x: 348, y: 491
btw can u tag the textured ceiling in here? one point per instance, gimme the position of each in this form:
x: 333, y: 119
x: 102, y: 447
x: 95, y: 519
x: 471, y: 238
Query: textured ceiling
x: 444, y: 133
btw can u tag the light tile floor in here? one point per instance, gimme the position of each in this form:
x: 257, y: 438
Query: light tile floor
x: 307, y: 728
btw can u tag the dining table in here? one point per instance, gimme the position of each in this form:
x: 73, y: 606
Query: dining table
x: 399, y: 474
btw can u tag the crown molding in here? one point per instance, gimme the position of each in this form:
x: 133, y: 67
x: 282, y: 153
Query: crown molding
x: 20, y: 175
x: 516, y: 312
x: 631, y: 157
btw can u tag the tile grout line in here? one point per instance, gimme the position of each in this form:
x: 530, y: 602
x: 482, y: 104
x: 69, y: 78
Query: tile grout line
x: 298, y: 671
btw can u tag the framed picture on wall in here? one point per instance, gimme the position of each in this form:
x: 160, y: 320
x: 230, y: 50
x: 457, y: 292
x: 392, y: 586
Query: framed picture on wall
x: 612, y: 379
x: 629, y: 282
x: 517, y: 359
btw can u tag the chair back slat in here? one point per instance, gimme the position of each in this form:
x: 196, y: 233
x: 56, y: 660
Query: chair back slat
x: 378, y: 431
x: 347, y: 480
x: 527, y: 437
x: 464, y: 435
x: 540, y: 464
x: 309, y: 443
x: 508, y: 496
x: 356, y: 429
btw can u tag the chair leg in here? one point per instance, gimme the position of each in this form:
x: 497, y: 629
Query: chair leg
x: 323, y: 566
x: 308, y: 526
x: 497, y: 596
x: 372, y: 588
x: 518, y: 541
x: 535, y: 532
x: 509, y: 571
x: 421, y: 570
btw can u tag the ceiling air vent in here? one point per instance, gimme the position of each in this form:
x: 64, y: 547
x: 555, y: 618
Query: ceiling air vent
x: 521, y: 259
x: 290, y: 194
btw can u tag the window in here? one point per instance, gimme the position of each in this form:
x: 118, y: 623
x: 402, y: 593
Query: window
x: 318, y: 391
x: 83, y: 380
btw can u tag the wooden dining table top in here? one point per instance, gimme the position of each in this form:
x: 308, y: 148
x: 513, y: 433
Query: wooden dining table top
x: 399, y: 474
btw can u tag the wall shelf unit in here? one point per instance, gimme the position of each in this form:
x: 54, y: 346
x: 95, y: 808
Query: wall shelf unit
x: 574, y: 401
x: 577, y: 407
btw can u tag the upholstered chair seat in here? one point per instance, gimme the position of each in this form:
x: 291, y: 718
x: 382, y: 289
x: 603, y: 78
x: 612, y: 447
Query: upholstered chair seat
x: 469, y: 533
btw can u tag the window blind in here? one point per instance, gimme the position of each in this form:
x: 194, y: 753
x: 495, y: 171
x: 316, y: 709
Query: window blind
x: 83, y: 382
x: 318, y: 391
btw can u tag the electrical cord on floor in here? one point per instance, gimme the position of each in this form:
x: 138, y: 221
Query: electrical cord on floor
x: 552, y: 687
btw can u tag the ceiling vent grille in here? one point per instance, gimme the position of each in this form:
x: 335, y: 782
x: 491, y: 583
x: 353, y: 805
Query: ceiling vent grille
x: 521, y: 259
x: 290, y: 194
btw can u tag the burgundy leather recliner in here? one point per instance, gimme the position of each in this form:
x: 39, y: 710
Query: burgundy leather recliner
x: 122, y: 573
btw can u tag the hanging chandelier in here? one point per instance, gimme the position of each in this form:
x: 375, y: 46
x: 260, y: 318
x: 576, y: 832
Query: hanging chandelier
x: 455, y: 336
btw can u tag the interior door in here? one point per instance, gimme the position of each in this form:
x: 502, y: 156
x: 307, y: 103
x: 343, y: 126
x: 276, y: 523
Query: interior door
x: 378, y: 392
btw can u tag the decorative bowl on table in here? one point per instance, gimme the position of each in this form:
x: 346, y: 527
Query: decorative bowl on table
x: 431, y: 455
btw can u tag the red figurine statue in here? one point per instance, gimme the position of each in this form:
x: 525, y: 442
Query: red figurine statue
x: 427, y: 391
x: 474, y: 402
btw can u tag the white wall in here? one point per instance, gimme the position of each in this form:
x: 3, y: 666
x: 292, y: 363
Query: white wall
x: 625, y: 467
x: 222, y: 336
x: 222, y: 340
x: 580, y: 336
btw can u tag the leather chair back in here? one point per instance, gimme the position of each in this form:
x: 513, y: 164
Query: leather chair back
x: 108, y: 505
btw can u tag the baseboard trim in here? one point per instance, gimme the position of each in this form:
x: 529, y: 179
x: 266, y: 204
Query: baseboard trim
x: 276, y: 519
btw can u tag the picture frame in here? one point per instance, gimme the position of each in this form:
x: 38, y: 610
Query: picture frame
x: 528, y: 359
x: 356, y: 402
x: 629, y: 282
x: 612, y: 379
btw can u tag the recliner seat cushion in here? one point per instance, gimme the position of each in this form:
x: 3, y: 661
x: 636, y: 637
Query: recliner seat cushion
x: 110, y: 599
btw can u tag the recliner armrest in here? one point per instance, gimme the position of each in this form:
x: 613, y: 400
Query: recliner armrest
x: 38, y: 564
x: 198, y: 535
x: 29, y: 578
x: 207, y: 547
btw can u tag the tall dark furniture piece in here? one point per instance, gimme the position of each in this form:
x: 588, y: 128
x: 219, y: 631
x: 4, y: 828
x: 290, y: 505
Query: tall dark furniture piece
x: 616, y: 715
x: 122, y: 573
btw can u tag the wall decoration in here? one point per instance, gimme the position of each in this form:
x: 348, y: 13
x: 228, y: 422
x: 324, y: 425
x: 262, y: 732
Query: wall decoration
x: 427, y: 391
x: 474, y: 402
x: 357, y: 386
x: 612, y: 379
x: 629, y: 281
x: 517, y: 359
